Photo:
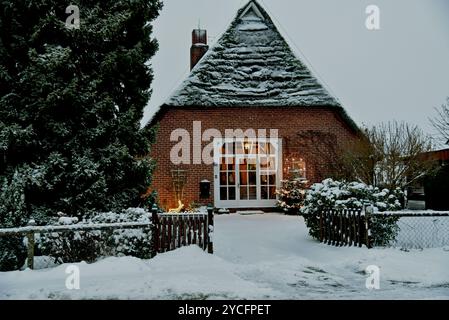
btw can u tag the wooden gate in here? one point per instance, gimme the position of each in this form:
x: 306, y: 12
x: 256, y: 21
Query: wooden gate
x: 175, y: 230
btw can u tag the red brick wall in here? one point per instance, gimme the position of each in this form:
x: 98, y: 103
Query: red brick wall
x: 288, y: 120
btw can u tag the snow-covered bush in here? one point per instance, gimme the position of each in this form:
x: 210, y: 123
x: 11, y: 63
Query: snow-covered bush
x: 342, y: 195
x: 345, y: 195
x: 71, y: 246
x: 384, y: 229
x: 291, y: 195
x: 127, y: 242
x: 88, y: 246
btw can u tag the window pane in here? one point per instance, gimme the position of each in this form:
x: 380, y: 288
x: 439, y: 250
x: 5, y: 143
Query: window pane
x: 231, y: 178
x: 223, y: 180
x: 271, y: 165
x: 243, y: 164
x: 223, y: 164
x: 252, y: 164
x: 230, y: 148
x: 243, y: 193
x: 227, y: 163
x: 223, y: 193
x: 262, y: 148
x: 252, y: 178
x: 252, y: 193
x: 231, y: 193
x: 263, y: 162
x: 272, y: 191
x: 243, y: 177
x: 246, y: 147
x: 239, y: 148
x: 254, y: 147
x: 249, y: 146
x: 271, y: 148
x: 272, y: 178
x: 263, y: 179
x: 264, y: 192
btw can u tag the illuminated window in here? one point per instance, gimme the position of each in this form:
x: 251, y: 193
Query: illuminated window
x: 296, y: 167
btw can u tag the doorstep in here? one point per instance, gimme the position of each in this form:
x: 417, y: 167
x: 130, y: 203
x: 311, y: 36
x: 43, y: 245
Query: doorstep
x: 249, y: 212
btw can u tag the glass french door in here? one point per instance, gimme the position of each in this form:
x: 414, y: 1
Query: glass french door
x: 247, y: 173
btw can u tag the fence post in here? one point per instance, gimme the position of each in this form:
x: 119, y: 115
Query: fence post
x: 321, y: 225
x: 359, y: 229
x: 30, y: 254
x: 368, y: 211
x: 155, y: 230
x: 210, y: 229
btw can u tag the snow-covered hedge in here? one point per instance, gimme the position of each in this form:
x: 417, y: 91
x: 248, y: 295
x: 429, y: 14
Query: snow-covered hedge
x: 344, y: 195
x: 88, y: 246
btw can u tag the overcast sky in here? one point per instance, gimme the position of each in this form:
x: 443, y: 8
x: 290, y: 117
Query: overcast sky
x: 399, y: 72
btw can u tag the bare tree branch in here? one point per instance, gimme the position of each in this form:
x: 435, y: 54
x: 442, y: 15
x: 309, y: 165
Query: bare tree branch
x: 391, y: 155
x: 441, y: 121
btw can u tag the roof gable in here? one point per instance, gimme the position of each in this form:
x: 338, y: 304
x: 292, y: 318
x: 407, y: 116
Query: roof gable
x: 251, y: 12
x: 251, y: 65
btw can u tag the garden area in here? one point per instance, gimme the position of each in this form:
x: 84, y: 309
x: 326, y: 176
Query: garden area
x: 269, y: 256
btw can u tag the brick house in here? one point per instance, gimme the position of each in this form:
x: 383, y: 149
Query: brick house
x: 242, y: 107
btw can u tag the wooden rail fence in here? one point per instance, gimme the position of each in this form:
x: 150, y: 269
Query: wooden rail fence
x: 168, y: 231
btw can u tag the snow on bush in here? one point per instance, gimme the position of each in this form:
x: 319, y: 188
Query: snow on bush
x: 75, y: 246
x: 67, y: 220
x: 343, y: 195
x: 331, y: 194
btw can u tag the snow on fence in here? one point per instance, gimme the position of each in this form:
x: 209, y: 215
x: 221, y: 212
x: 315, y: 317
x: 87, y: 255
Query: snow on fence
x: 417, y: 229
x: 345, y: 227
x: 176, y: 230
x: 169, y: 231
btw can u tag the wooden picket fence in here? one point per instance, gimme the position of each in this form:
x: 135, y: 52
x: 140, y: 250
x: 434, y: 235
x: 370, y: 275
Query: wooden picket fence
x: 347, y: 227
x: 172, y: 231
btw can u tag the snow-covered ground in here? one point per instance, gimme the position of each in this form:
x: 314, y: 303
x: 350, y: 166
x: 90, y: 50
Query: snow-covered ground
x: 265, y: 256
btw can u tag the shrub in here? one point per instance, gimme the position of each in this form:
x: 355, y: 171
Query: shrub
x: 353, y: 195
x: 383, y: 228
x: 88, y: 246
x: 12, y: 253
x: 13, y: 213
x: 291, y: 195
x: 127, y: 242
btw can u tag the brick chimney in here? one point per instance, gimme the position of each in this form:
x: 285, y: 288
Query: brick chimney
x: 199, y: 46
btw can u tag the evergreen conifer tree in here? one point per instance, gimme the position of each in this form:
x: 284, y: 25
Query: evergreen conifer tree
x: 71, y: 102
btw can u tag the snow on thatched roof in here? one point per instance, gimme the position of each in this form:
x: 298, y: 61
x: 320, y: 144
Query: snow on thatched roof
x: 252, y: 65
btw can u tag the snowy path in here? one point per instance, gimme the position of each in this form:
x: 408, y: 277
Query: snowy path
x: 256, y: 257
x: 275, y: 251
